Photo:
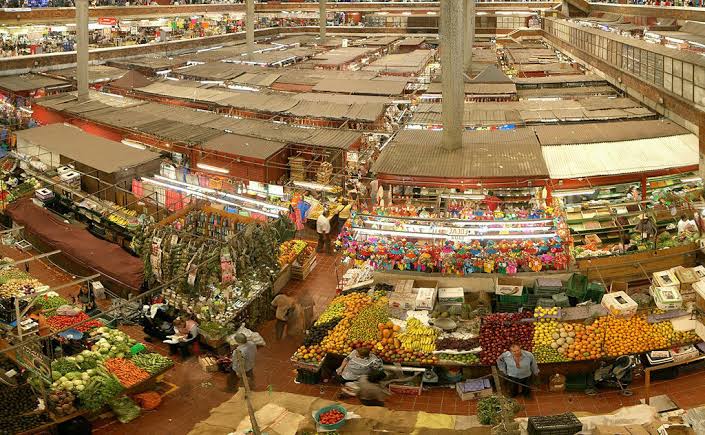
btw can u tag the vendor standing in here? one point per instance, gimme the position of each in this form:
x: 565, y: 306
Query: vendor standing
x: 518, y: 366
x: 323, y: 230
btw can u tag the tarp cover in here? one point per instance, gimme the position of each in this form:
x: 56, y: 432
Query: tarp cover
x: 77, y: 243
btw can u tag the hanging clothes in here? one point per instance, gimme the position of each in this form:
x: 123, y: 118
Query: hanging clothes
x: 174, y: 200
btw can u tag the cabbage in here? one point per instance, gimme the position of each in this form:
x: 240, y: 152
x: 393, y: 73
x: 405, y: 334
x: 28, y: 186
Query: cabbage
x: 80, y: 387
x: 63, y: 379
x: 85, y: 376
x: 90, y: 372
x: 67, y: 385
x: 71, y: 358
x: 79, y: 359
x: 77, y: 382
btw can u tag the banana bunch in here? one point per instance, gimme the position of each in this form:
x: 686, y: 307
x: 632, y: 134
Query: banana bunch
x: 418, y: 337
x: 118, y: 220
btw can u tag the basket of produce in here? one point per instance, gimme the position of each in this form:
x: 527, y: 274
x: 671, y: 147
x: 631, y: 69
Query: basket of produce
x: 562, y: 424
x: 331, y: 417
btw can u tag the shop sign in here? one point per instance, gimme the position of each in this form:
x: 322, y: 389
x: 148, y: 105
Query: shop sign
x: 107, y: 21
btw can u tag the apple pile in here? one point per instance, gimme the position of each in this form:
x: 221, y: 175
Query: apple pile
x: 498, y: 331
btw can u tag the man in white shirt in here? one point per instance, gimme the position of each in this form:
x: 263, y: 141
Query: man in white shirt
x: 323, y: 230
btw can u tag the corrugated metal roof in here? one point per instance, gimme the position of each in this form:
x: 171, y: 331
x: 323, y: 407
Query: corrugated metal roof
x: 244, y: 146
x: 585, y: 160
x: 606, y: 132
x: 479, y: 88
x: 364, y: 87
x: 573, y: 91
x: 573, y: 78
x: 418, y: 153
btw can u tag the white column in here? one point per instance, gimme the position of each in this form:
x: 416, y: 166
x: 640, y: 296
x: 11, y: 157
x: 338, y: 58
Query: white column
x: 453, y: 83
x: 322, y: 17
x: 250, y: 27
x: 82, y: 49
x: 469, y: 33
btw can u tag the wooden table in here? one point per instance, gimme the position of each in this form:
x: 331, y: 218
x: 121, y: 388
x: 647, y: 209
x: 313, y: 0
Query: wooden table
x: 648, y: 370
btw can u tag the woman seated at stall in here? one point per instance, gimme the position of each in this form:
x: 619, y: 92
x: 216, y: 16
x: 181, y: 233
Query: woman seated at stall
x: 185, y: 334
x: 86, y: 300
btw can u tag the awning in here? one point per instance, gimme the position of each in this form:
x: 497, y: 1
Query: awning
x: 611, y: 158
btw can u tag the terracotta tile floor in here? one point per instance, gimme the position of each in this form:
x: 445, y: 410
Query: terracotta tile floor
x: 189, y: 393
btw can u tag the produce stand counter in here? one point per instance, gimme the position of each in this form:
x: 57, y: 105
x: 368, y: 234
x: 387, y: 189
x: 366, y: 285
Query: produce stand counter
x: 621, y: 267
x: 556, y: 335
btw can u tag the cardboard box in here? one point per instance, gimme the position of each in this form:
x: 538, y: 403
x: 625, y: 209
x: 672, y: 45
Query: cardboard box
x: 699, y: 288
x: 454, y: 295
x: 666, y: 278
x: 404, y: 286
x: 403, y: 300
x: 426, y: 298
x: 208, y: 364
x: 619, y: 304
x: 509, y: 286
x: 699, y: 271
x: 479, y: 393
x: 686, y: 276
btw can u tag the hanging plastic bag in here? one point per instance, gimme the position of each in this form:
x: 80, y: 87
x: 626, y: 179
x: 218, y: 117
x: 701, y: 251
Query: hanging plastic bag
x: 251, y: 336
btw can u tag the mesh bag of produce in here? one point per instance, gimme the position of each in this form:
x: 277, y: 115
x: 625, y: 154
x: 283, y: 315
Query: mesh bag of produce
x: 124, y: 409
x: 148, y: 400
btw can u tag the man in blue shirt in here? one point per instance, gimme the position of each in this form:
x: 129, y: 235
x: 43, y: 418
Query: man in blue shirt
x: 518, y: 366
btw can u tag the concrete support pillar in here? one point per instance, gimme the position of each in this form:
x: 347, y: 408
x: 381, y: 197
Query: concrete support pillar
x: 250, y: 27
x: 82, y: 49
x: 469, y: 39
x: 453, y: 83
x: 322, y: 17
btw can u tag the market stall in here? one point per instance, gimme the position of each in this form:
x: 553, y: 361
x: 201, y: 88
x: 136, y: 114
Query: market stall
x: 218, y: 266
x: 418, y: 323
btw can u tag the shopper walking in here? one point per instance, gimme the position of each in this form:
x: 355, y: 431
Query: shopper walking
x: 323, y: 230
x: 518, y: 366
x: 248, y: 353
x: 370, y: 392
x: 284, y: 305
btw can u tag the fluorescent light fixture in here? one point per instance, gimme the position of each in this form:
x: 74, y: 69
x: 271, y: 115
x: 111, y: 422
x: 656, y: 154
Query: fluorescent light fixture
x: 675, y: 40
x: 26, y: 110
x: 209, y: 49
x: 229, y: 195
x: 173, y: 79
x: 208, y: 197
x: 313, y: 186
x: 163, y: 72
x: 134, y: 144
x: 481, y: 13
x: 211, y: 82
x: 691, y: 179
x: 470, y: 196
x: 407, y: 13
x: 459, y: 222
x: 565, y: 193
x: 206, y: 167
x: 430, y: 13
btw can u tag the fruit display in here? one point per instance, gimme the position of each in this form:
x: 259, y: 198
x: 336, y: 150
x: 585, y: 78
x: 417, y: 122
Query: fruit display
x: 470, y: 359
x: 541, y: 312
x: 498, y: 331
x: 318, y: 332
x: 333, y: 311
x: 309, y: 354
x: 587, y: 343
x: 418, y: 337
x: 290, y: 250
x: 636, y: 335
x: 364, y: 326
x: 457, y: 341
x: 17, y: 400
x: 551, y: 341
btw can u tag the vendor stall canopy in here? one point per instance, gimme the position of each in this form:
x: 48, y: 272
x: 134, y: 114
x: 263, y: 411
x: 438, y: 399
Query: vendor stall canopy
x: 30, y: 82
x: 74, y: 144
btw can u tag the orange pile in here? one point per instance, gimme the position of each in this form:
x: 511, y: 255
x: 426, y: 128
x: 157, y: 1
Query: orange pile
x: 632, y: 335
x: 587, y: 343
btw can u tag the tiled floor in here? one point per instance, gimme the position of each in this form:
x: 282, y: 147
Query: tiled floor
x: 190, y: 393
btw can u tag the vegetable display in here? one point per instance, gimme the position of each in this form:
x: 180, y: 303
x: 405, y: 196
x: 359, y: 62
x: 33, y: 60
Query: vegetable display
x: 22, y: 423
x: 126, y: 371
x: 99, y: 390
x: 331, y: 417
x: 124, y: 409
x: 17, y: 400
x: 152, y: 362
x: 62, y: 403
x: 59, y: 323
x: 51, y: 303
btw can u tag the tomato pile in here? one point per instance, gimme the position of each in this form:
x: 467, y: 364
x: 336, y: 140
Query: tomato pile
x: 331, y: 417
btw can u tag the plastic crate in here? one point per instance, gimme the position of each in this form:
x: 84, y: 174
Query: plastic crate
x: 562, y: 424
x: 546, y: 303
x: 577, y: 382
x: 561, y: 300
x: 595, y: 291
x: 507, y: 308
x: 577, y: 286
x: 548, y: 286
x: 308, y: 377
x: 512, y: 299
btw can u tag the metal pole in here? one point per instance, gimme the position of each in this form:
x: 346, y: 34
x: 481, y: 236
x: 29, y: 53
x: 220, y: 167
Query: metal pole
x: 469, y: 39
x: 453, y: 84
x: 82, y: 49
x: 322, y: 17
x: 250, y: 27
x: 246, y: 382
